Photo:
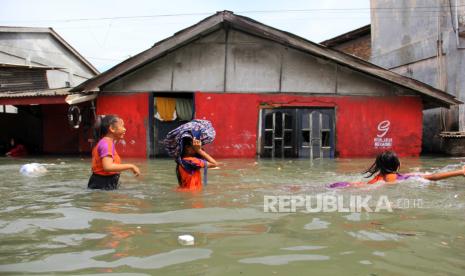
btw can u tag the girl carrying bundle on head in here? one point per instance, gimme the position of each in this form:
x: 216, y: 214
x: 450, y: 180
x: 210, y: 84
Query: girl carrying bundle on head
x: 193, y: 158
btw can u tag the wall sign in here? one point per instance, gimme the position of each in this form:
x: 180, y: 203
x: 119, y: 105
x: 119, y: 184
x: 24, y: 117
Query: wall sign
x: 381, y: 141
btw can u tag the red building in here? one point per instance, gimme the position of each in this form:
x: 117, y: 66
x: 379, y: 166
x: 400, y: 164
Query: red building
x: 37, y: 70
x: 266, y: 91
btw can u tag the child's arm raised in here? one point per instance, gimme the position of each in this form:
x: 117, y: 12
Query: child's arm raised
x: 444, y: 175
x: 109, y: 166
x: 197, y: 144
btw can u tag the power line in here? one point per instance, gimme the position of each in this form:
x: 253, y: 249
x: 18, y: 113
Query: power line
x: 421, y: 9
x: 57, y: 53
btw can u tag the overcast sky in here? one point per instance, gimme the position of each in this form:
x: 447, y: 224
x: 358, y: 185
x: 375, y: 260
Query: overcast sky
x: 108, y: 31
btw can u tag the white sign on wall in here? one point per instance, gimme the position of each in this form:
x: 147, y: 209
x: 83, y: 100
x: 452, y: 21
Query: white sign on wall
x: 381, y: 141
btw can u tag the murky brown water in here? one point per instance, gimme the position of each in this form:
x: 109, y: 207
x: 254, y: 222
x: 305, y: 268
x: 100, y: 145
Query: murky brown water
x: 53, y: 224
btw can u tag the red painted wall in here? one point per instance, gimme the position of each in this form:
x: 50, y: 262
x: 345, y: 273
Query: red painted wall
x: 134, y: 110
x: 235, y: 118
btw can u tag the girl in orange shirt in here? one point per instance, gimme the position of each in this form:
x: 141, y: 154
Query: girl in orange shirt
x: 386, y: 167
x: 106, y: 163
x: 193, y: 159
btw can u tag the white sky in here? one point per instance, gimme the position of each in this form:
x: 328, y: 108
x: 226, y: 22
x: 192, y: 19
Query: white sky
x: 106, y: 42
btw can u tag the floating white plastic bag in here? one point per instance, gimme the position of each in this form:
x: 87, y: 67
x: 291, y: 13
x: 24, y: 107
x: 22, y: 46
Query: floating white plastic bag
x: 33, y: 169
x: 186, y: 240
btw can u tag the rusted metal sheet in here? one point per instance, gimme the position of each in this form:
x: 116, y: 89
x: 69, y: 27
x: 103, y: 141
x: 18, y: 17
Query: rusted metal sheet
x: 35, y: 93
x: 20, y: 79
x: 349, y: 36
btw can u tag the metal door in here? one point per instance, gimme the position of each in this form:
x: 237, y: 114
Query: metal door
x: 317, y: 137
x: 298, y: 132
x: 278, y: 136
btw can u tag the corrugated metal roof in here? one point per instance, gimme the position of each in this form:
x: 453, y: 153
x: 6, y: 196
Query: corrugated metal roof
x: 9, y: 65
x: 36, y: 93
x: 431, y: 96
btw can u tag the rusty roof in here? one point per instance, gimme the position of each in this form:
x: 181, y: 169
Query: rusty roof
x: 10, y: 65
x: 431, y: 96
x: 36, y: 93
x: 351, y: 35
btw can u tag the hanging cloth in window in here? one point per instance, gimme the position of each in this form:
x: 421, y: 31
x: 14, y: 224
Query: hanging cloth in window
x: 184, y: 109
x: 166, y: 108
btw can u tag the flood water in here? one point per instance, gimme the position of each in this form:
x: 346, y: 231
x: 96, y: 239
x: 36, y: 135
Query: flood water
x: 52, y: 224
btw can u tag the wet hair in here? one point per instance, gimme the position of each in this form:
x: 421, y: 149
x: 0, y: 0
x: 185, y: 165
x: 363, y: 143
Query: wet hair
x: 103, y: 123
x: 385, y: 163
x: 187, y: 142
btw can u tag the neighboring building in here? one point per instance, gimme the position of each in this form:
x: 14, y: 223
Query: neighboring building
x: 37, y: 69
x: 424, y: 40
x: 356, y: 42
x: 267, y: 93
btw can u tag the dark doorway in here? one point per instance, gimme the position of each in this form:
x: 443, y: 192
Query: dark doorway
x: 298, y: 132
x: 161, y: 129
x: 183, y: 110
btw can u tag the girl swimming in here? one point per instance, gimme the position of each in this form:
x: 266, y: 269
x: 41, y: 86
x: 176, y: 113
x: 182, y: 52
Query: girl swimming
x: 386, y: 167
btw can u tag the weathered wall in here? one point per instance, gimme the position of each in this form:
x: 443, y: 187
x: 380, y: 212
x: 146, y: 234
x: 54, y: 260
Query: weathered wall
x: 400, y: 27
x: 237, y: 72
x: 199, y: 65
x: 20, y: 79
x: 235, y: 118
x: 60, y: 78
x: 242, y: 63
x: 421, y: 43
x: 134, y: 110
x: 359, y: 47
x: 42, y: 49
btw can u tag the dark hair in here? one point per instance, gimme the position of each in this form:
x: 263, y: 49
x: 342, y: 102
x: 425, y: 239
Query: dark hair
x: 103, y: 123
x: 386, y: 162
x: 187, y: 141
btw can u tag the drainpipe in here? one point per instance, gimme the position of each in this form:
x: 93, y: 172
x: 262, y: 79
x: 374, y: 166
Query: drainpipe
x: 457, y: 31
x: 456, y: 24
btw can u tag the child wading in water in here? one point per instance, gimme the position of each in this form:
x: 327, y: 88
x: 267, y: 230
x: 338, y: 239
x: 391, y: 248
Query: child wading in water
x: 106, y: 163
x: 193, y: 158
x: 386, y: 167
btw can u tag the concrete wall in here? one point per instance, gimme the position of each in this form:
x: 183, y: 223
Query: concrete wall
x: 243, y: 63
x: 235, y: 118
x: 422, y: 44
